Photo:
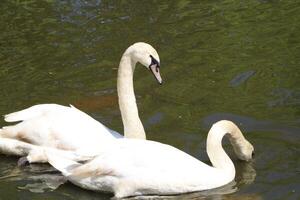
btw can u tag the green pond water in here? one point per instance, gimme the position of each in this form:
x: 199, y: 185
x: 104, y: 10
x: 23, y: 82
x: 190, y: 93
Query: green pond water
x: 236, y: 60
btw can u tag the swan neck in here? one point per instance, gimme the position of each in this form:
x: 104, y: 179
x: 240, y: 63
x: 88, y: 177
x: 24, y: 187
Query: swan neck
x: 133, y: 127
x: 215, y: 151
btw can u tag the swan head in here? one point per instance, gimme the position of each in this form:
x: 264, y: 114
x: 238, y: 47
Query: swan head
x: 146, y: 55
x: 243, y: 149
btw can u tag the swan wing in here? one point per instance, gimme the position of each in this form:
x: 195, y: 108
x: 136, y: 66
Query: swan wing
x: 57, y: 126
x: 89, y: 176
x: 64, y: 165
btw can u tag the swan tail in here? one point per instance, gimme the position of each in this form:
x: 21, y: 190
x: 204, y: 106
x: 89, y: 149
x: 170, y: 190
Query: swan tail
x: 64, y: 165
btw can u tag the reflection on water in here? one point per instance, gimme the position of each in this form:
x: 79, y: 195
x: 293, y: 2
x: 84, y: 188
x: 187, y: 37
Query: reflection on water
x: 37, y: 178
x: 214, y: 194
x: 217, y: 58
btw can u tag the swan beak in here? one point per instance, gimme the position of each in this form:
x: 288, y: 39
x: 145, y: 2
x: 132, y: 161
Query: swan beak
x: 155, y: 71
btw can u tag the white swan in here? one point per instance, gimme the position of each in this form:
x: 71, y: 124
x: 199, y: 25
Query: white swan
x: 131, y: 167
x: 67, y: 128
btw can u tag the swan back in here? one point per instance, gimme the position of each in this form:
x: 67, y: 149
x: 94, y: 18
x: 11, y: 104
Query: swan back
x: 57, y: 126
x: 134, y: 167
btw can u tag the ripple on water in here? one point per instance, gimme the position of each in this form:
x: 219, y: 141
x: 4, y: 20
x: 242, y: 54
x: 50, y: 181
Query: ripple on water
x: 241, y: 78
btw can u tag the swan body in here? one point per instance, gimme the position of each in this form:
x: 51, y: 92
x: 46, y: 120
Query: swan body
x: 57, y: 126
x: 67, y: 128
x: 131, y: 167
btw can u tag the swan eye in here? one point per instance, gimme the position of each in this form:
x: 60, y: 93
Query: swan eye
x: 253, y: 154
x: 154, y: 62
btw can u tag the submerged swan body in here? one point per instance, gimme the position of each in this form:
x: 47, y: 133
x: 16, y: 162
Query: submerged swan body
x: 67, y: 128
x: 131, y: 167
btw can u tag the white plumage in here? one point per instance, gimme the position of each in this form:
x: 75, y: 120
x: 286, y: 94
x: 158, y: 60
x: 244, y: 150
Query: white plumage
x: 67, y: 128
x: 130, y: 167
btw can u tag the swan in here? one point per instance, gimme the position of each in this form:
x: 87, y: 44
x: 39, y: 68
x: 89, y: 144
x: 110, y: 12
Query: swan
x: 68, y: 128
x: 131, y: 167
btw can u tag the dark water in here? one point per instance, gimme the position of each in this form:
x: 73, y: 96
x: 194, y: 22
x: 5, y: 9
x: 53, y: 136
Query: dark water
x: 236, y: 60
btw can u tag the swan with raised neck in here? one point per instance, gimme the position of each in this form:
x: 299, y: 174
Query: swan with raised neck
x: 147, y: 56
x: 67, y: 128
x: 133, y: 167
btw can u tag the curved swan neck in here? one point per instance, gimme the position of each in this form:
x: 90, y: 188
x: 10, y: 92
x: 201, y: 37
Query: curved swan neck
x: 133, y: 127
x: 215, y: 151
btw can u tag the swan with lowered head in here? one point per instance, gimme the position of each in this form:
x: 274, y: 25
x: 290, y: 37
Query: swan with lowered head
x: 67, y: 128
x: 131, y: 167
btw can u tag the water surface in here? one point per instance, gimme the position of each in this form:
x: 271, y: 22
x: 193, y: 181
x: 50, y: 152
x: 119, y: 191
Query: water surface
x: 236, y: 60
